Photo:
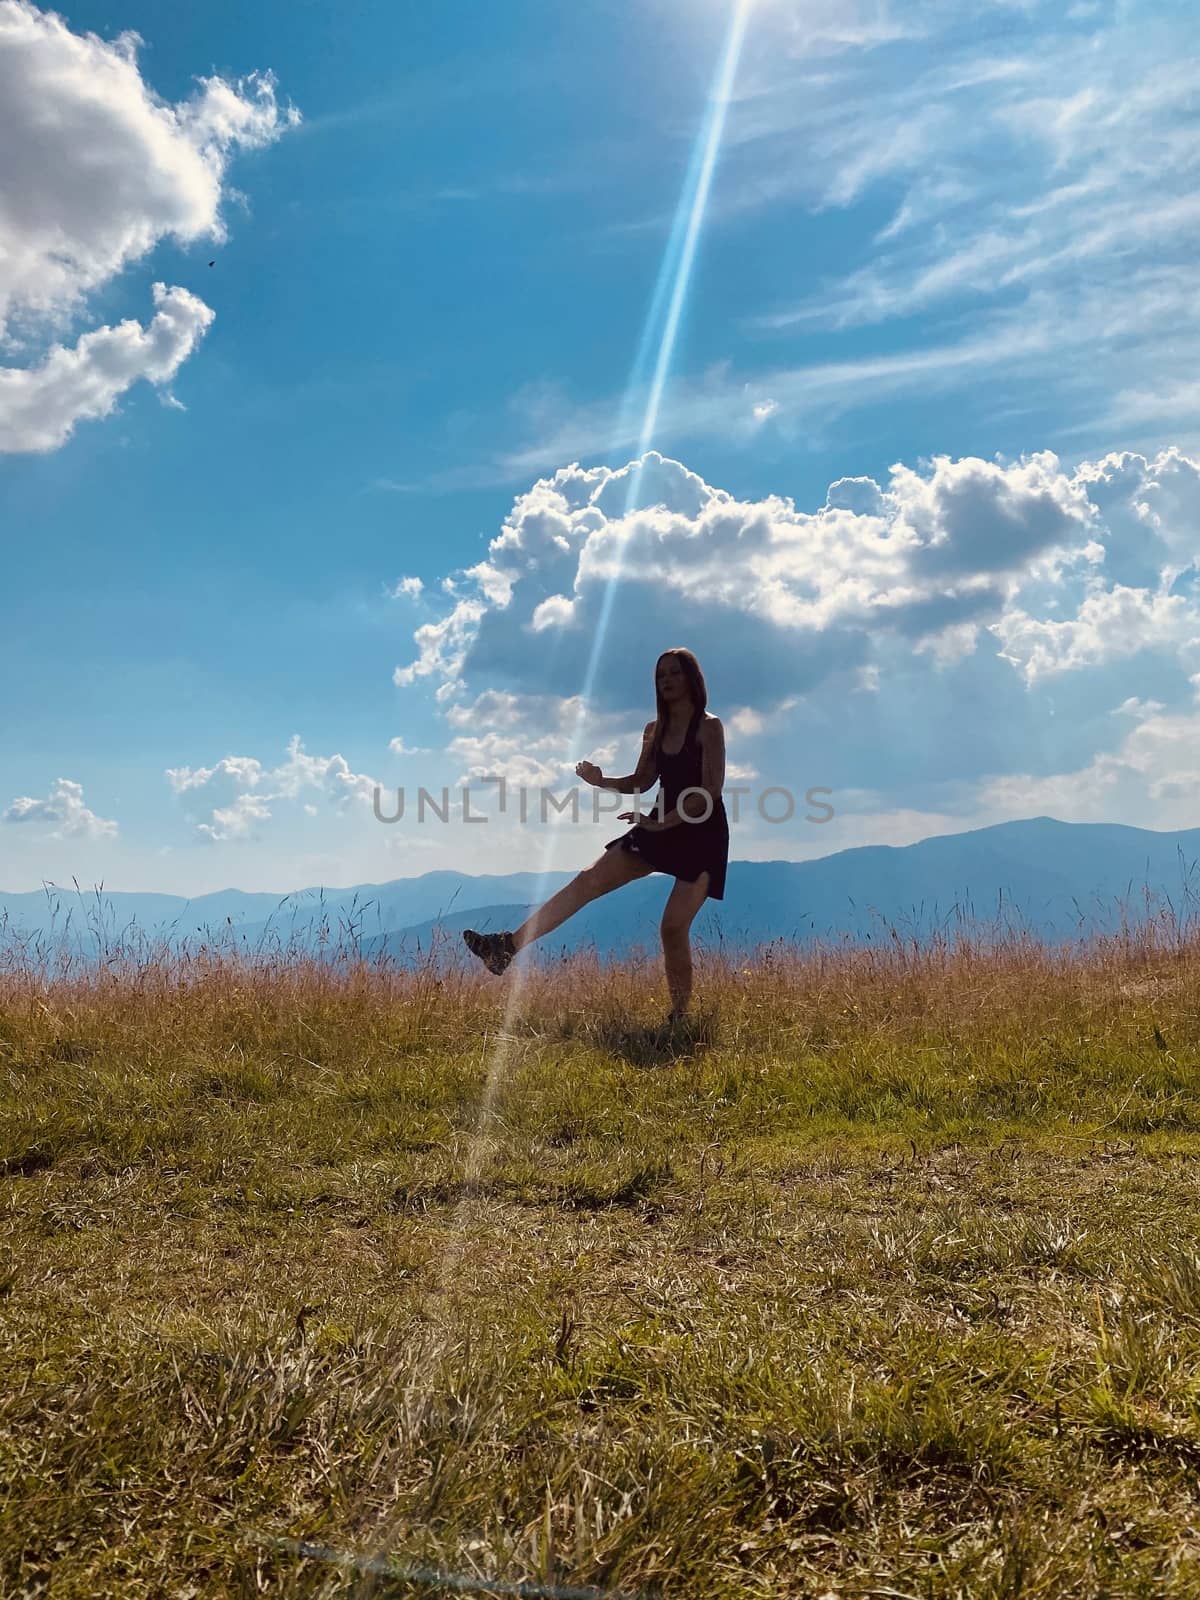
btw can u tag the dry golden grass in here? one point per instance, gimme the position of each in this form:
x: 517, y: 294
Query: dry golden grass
x: 880, y: 1280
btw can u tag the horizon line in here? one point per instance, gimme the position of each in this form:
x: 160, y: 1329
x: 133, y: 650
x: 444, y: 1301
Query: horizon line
x: 47, y: 886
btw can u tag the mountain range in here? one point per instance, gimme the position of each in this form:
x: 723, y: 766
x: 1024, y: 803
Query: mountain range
x: 1057, y: 880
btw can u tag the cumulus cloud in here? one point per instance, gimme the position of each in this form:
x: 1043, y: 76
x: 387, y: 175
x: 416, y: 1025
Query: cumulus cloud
x: 1149, y: 514
x: 63, y: 810
x: 443, y: 644
x: 783, y: 598
x: 904, y: 633
x: 238, y: 792
x: 95, y: 170
x: 1109, y: 624
x: 974, y: 516
x: 39, y: 406
x: 525, y: 738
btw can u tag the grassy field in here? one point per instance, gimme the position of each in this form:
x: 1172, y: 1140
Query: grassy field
x: 882, y: 1281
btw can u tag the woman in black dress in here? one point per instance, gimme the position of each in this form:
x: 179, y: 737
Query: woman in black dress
x: 685, y: 835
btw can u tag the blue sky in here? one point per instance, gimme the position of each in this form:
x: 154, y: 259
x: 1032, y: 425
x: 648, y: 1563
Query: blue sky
x: 946, y: 252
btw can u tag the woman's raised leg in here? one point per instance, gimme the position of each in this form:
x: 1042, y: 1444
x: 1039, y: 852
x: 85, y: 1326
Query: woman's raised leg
x: 682, y: 905
x: 614, y: 868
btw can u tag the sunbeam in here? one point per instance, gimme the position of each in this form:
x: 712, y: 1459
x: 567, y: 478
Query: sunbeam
x: 432, y: 1577
x: 670, y: 293
x: 663, y: 319
x: 681, y: 248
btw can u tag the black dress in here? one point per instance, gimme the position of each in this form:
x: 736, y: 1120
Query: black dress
x: 688, y: 848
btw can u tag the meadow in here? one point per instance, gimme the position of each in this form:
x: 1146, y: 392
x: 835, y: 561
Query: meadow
x: 881, y: 1279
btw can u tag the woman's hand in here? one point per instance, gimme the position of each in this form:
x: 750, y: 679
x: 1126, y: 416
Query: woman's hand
x: 589, y: 772
x: 642, y: 818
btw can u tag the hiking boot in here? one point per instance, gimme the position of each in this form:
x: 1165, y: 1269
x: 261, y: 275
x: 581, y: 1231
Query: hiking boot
x: 495, y: 950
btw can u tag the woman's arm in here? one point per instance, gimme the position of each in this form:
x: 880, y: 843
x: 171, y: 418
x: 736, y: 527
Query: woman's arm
x: 637, y: 781
x: 712, y: 764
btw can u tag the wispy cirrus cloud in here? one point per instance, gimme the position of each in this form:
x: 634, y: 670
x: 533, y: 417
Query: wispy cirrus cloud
x: 1055, y: 156
x: 712, y: 405
x: 1038, y: 171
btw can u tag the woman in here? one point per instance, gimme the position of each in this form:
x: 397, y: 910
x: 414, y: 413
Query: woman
x: 687, y: 835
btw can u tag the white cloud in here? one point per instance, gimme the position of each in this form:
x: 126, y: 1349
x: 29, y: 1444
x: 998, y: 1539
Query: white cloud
x: 407, y: 586
x: 238, y: 792
x: 950, y: 645
x: 1021, y: 150
x: 976, y: 516
x: 1110, y: 623
x: 524, y: 738
x: 556, y: 611
x: 39, y: 406
x: 1138, y: 709
x: 95, y: 170
x: 1042, y: 176
x: 521, y: 760
x: 496, y: 709
x: 442, y: 644
x: 746, y: 720
x: 1152, y: 508
x: 785, y: 597
x: 903, y: 636
x: 63, y: 809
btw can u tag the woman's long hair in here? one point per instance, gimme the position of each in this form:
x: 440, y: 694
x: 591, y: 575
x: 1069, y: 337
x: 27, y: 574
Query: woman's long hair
x: 697, y: 688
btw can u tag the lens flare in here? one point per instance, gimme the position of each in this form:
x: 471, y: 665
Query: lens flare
x: 659, y: 335
x: 663, y: 319
x: 433, y: 1577
x: 678, y: 261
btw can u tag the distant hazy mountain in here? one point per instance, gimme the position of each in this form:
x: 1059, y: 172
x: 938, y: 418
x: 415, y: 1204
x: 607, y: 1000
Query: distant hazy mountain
x: 1056, y: 879
x: 369, y: 908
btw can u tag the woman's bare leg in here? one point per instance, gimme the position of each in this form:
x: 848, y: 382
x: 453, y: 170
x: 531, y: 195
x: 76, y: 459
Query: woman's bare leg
x: 614, y: 868
x: 682, y: 905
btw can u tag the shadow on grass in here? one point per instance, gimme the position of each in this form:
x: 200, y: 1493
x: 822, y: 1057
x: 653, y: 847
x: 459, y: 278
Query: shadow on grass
x: 655, y: 1045
x: 594, y: 1191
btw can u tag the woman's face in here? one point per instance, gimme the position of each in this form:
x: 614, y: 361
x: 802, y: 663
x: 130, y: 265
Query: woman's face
x: 670, y: 679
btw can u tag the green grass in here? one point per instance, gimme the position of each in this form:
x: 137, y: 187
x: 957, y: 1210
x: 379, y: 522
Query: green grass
x: 883, y: 1280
